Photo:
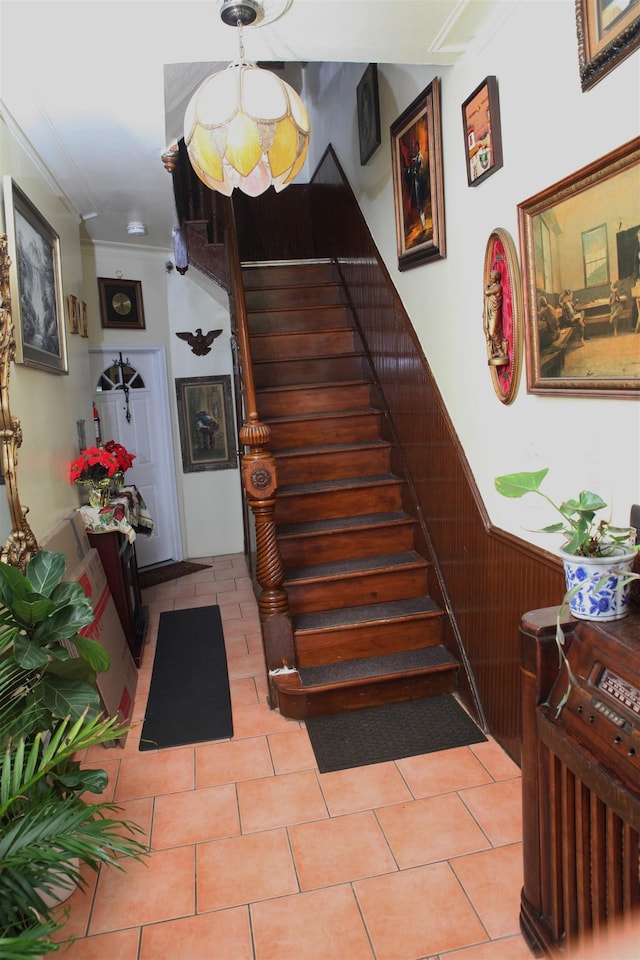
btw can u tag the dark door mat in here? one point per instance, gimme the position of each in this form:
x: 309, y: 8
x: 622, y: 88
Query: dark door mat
x: 357, y: 738
x: 168, y: 571
x: 189, y: 700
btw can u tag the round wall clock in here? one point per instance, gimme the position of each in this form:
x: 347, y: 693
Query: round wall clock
x: 502, y: 314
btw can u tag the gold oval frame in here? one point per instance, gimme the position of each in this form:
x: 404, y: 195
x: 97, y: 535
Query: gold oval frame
x: 506, y: 386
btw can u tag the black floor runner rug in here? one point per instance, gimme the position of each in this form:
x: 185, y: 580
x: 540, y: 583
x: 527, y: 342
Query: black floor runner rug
x: 377, y: 734
x: 189, y: 699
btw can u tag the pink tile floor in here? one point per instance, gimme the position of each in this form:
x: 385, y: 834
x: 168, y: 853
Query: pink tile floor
x: 258, y: 856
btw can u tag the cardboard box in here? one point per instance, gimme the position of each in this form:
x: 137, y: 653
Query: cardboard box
x: 68, y: 537
x: 117, y: 686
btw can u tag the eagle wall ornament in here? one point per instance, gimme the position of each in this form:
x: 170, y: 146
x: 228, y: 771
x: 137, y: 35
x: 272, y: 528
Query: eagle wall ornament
x: 199, y: 342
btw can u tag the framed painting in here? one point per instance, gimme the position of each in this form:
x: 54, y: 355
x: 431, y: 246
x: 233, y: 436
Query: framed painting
x: 608, y: 31
x: 35, y: 277
x: 418, y: 183
x: 121, y: 304
x: 502, y: 314
x: 482, y: 136
x: 73, y: 306
x: 83, y: 327
x: 580, y: 243
x: 205, y: 417
x: 368, y: 113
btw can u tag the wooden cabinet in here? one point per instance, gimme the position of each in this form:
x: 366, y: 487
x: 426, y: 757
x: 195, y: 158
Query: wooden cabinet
x: 580, y: 778
x: 118, y: 557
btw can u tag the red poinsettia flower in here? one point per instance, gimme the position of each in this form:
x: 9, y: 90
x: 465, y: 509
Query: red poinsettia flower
x: 94, y: 464
x: 125, y: 459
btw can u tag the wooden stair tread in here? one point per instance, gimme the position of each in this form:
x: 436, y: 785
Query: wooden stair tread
x: 343, y: 483
x: 324, y: 415
x: 409, y: 661
x: 339, y: 568
x: 368, y: 613
x: 353, y: 445
x: 322, y: 385
x: 343, y: 523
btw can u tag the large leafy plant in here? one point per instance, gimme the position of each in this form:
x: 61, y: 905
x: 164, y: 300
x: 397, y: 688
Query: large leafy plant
x: 584, y: 535
x: 50, y: 712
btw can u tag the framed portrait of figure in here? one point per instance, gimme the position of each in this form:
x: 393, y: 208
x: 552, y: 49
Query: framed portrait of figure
x: 36, y: 282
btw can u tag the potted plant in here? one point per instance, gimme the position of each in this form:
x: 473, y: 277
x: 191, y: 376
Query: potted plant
x: 597, y: 556
x: 101, y: 468
x: 49, y: 712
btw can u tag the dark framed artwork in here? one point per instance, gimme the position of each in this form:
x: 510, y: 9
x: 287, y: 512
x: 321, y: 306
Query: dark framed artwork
x: 121, y: 304
x: 482, y: 135
x: 418, y: 183
x: 205, y: 417
x: 73, y: 306
x: 580, y: 243
x: 36, y: 281
x: 83, y: 327
x: 368, y: 113
x: 608, y: 31
x: 502, y: 314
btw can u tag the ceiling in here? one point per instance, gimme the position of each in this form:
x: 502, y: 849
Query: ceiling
x: 98, y: 86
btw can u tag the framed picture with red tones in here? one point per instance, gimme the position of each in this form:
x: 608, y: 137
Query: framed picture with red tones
x: 418, y: 185
x: 482, y: 136
x: 502, y: 314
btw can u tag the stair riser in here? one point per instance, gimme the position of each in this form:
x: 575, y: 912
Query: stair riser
x: 327, y: 430
x: 374, y: 587
x: 313, y: 295
x: 308, y: 400
x: 317, y: 647
x: 337, y: 466
x: 295, y: 346
x: 318, y: 702
x: 345, y: 545
x: 295, y: 274
x: 274, y: 373
x: 309, y: 319
x: 326, y: 505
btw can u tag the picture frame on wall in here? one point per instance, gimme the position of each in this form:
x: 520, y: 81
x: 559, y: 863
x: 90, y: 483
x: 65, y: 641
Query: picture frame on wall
x: 83, y: 327
x: 580, y: 243
x: 502, y: 314
x: 35, y: 277
x: 418, y: 181
x: 368, y: 103
x: 608, y: 31
x: 482, y: 133
x: 121, y: 305
x: 73, y: 307
x: 205, y: 417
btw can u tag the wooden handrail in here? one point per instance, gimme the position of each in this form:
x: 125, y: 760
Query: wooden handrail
x: 259, y: 474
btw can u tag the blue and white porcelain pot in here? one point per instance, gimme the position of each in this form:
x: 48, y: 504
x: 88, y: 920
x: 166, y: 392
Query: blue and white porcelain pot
x: 595, y: 582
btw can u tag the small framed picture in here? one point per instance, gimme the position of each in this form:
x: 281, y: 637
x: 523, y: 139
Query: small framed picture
x: 481, y: 127
x: 83, y: 328
x: 205, y: 416
x: 121, y: 304
x: 368, y: 113
x: 35, y: 276
x: 74, y: 316
x: 418, y: 181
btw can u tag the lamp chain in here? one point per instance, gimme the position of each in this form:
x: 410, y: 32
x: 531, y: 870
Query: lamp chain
x: 240, y: 38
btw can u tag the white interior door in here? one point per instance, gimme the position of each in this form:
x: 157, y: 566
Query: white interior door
x: 130, y: 395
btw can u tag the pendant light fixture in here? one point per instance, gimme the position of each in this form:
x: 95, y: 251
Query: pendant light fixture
x: 245, y: 127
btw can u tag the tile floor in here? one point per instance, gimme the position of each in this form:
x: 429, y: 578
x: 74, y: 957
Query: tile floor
x: 258, y: 856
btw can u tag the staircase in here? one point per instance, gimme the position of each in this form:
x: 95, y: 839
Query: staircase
x: 365, y: 629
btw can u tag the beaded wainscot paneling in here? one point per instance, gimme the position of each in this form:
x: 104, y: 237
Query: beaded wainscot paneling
x: 487, y: 578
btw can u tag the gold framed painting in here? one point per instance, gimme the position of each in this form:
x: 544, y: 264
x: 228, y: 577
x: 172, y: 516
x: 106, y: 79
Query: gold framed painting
x: 35, y: 276
x: 205, y: 417
x: 608, y: 31
x: 580, y: 243
x: 418, y: 182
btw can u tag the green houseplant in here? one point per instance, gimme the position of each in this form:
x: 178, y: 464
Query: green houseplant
x: 49, y: 711
x: 597, y: 556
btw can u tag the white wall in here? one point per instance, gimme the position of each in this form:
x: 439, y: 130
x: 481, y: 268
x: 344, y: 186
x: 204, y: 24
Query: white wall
x: 47, y: 405
x: 550, y: 129
x: 209, y: 502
